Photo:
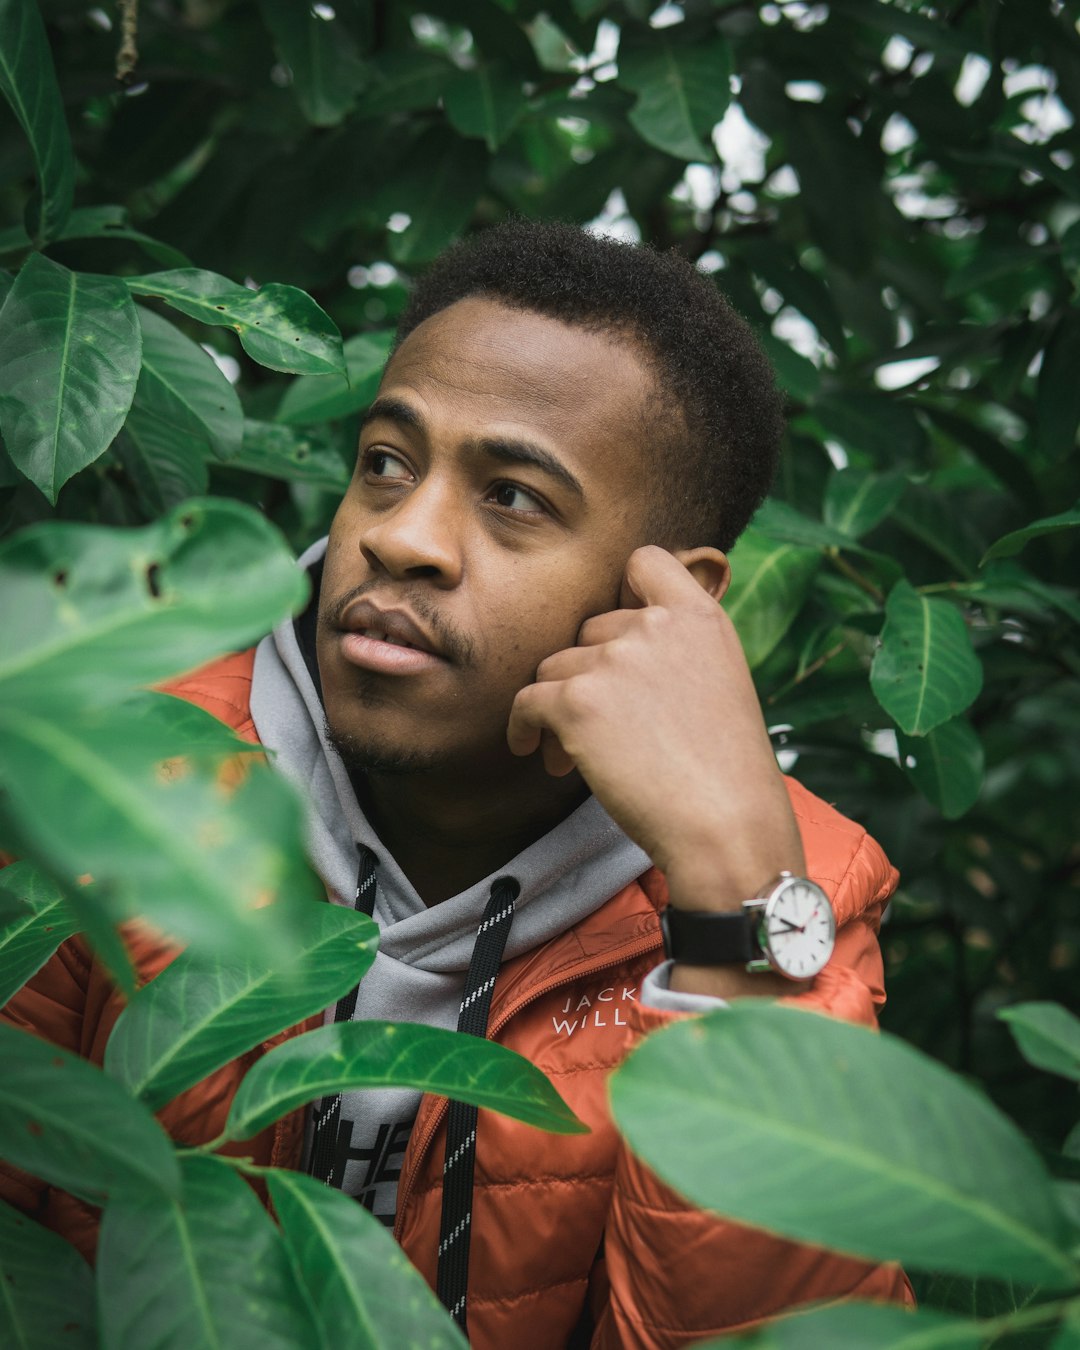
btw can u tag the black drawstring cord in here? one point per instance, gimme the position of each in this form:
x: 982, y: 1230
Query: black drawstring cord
x: 328, y: 1110
x: 455, y: 1230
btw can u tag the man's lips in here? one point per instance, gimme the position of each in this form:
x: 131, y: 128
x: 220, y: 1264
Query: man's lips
x: 389, y: 641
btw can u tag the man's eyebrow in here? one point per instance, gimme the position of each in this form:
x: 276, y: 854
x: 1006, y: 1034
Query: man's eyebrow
x: 395, y: 410
x: 505, y: 450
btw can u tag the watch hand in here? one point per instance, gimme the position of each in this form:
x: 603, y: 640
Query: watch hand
x: 792, y: 927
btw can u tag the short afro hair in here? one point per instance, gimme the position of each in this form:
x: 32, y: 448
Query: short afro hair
x: 709, y: 368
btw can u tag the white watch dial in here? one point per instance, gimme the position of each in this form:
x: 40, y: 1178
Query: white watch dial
x: 800, y: 929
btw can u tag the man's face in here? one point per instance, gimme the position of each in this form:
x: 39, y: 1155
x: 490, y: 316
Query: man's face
x: 500, y: 488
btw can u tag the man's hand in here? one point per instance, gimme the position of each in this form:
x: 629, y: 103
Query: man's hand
x: 656, y: 708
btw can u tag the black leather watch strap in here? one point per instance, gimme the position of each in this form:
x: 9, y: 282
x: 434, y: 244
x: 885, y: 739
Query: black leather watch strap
x: 702, y: 938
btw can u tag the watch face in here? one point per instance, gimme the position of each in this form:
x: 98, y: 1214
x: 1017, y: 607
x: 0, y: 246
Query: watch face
x: 799, y: 929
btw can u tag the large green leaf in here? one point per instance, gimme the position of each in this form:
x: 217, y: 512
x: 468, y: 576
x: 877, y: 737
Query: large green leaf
x: 352, y: 1055
x: 34, y: 1265
x: 127, y: 795
x: 184, y: 406
x: 28, y: 82
x: 90, y: 612
x: 297, y: 456
x: 925, y: 671
x: 70, y: 347
x: 436, y: 187
x: 1048, y: 1036
x: 861, y: 1143
x: 205, y: 1010
x: 66, y: 1122
x: 323, y: 398
x: 1059, y: 389
x: 279, y: 326
x: 859, y: 1326
x: 485, y: 102
x: 99, y: 222
x: 211, y: 1271
x: 769, y: 582
x: 1015, y: 541
x: 34, y: 920
x: 165, y: 468
x: 946, y: 765
x: 856, y: 500
x: 321, y: 56
x: 337, y: 1246
x: 402, y: 81
x: 682, y: 86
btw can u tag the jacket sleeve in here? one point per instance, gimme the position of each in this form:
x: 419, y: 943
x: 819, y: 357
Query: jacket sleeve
x: 674, y: 1274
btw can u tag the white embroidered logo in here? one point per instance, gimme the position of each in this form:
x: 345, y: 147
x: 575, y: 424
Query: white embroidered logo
x: 602, y: 1009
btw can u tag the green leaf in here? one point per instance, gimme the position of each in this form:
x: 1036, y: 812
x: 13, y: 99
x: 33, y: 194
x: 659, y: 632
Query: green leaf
x: 183, y: 404
x: 946, y: 765
x: 336, y: 1246
x: 204, y: 1011
x: 834, y: 168
x: 436, y: 187
x: 769, y: 583
x: 868, y: 422
x: 404, y: 81
x: 281, y: 327
x: 122, y: 793
x: 34, y: 1265
x: 1015, y: 541
x: 100, y: 222
x: 859, y: 1326
x: 795, y: 374
x: 485, y: 102
x: 352, y: 1055
x: 324, y: 398
x: 682, y: 86
x: 92, y: 612
x: 34, y: 920
x: 66, y: 1122
x: 925, y: 671
x: 297, y: 456
x: 1047, y: 1035
x: 69, y: 361
x: 856, y: 500
x: 864, y: 1145
x: 1058, y: 391
x: 326, y: 71
x: 28, y: 82
x: 164, y: 467
x: 211, y: 1271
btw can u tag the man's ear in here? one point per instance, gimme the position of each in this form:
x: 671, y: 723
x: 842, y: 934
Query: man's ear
x: 709, y: 568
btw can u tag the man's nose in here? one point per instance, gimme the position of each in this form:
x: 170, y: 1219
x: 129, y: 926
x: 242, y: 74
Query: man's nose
x: 418, y: 537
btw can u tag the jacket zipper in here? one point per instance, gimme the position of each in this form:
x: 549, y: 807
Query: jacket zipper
x: 639, y: 948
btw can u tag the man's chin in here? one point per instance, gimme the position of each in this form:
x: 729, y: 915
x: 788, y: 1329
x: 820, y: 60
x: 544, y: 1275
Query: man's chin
x: 368, y: 756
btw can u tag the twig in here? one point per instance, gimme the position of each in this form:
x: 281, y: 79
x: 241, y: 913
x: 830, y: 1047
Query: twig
x: 127, y: 58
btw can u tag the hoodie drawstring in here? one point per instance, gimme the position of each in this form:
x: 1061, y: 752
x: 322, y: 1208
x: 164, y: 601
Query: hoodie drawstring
x: 328, y: 1111
x: 460, y: 1157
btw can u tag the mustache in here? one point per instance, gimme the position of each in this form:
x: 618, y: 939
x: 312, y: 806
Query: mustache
x: 454, y: 644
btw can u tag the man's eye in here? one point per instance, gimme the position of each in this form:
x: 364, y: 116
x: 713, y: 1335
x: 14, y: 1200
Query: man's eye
x: 381, y: 464
x: 515, y: 498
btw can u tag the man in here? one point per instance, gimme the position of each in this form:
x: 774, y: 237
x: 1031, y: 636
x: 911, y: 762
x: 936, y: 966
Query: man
x: 516, y: 706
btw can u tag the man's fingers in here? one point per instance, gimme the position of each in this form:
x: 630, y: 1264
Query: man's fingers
x: 654, y: 576
x: 528, y: 730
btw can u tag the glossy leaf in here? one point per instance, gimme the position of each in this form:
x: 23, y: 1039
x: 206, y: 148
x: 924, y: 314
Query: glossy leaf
x: 859, y: 1326
x: 872, y: 1148
x: 28, y: 82
x: 1012, y: 543
x: 436, y: 187
x: 184, y: 406
x: 682, y: 88
x: 160, y: 823
x: 856, y: 501
x: 101, y: 222
x: 34, y: 1265
x: 34, y: 920
x: 164, y: 469
x: 279, y: 326
x: 321, y: 57
x: 925, y: 671
x: 336, y: 1247
x: 769, y: 582
x: 66, y: 1122
x: 486, y: 103
x: 210, y: 1271
x: 321, y: 398
x: 69, y: 361
x: 92, y: 612
x: 1048, y: 1036
x: 946, y: 765
x: 297, y: 456
x: 351, y: 1055
x: 205, y: 1010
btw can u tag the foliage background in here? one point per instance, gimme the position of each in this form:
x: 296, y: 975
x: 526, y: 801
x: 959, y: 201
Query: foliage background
x: 887, y: 191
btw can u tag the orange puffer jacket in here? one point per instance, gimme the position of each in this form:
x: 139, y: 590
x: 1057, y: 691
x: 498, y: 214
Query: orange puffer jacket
x: 567, y: 1233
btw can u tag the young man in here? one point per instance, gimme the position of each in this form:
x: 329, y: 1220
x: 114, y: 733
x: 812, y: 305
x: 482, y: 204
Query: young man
x: 517, y: 706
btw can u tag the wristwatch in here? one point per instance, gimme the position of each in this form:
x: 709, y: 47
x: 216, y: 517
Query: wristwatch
x: 789, y: 927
